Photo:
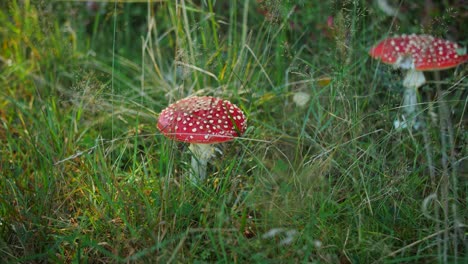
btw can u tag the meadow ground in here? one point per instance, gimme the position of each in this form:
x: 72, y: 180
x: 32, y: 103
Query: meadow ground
x: 87, y: 177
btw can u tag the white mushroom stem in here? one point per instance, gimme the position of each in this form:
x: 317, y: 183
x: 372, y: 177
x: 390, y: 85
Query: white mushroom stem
x: 387, y: 8
x: 201, y: 154
x: 413, y: 80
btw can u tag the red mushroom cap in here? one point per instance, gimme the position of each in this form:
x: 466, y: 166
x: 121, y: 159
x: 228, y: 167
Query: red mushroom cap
x: 422, y: 52
x: 203, y: 120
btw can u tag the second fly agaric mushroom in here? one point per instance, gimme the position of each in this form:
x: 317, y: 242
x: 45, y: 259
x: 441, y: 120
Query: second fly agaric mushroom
x: 202, y: 122
x: 417, y: 53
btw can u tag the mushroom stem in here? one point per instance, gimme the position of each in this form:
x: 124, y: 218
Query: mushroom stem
x: 413, y: 80
x: 410, y: 101
x: 201, y: 153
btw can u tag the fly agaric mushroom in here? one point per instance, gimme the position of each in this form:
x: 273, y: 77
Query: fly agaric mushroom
x: 417, y: 53
x: 202, y: 122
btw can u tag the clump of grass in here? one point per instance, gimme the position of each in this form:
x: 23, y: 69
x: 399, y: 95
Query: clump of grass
x: 86, y: 177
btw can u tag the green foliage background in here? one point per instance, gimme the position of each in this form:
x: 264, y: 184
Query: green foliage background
x: 87, y: 177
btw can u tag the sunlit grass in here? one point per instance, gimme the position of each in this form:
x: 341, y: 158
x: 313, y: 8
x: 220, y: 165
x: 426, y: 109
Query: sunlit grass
x: 87, y: 177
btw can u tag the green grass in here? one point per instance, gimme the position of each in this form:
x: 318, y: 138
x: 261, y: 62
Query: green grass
x: 86, y: 177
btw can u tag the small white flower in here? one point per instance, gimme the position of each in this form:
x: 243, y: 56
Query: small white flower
x: 290, y: 234
x: 272, y: 232
x: 301, y: 98
x: 317, y: 243
x: 287, y: 235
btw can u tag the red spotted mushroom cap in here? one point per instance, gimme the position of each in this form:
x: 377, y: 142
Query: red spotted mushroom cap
x: 419, y: 52
x: 202, y: 120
